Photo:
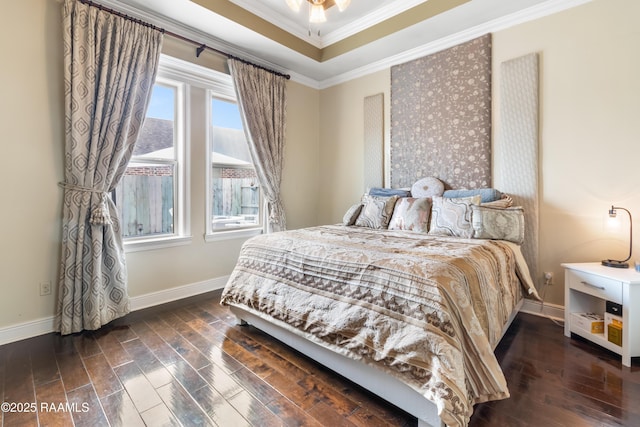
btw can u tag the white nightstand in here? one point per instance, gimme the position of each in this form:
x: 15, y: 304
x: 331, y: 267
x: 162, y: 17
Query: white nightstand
x: 587, y: 286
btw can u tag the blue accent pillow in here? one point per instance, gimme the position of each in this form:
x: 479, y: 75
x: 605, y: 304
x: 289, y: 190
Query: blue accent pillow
x: 388, y: 192
x: 487, y: 194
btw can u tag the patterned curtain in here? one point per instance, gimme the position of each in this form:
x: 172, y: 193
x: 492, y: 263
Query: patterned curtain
x: 262, y: 100
x: 110, y: 67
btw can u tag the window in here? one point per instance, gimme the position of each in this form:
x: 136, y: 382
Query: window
x: 235, y: 193
x: 153, y: 196
x: 150, y: 198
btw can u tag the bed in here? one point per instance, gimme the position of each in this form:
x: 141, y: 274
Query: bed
x: 411, y: 316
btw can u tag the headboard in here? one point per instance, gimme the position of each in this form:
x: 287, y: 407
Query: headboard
x: 441, y: 126
x: 441, y: 117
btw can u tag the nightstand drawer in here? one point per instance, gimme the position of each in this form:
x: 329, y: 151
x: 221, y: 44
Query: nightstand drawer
x: 598, y: 286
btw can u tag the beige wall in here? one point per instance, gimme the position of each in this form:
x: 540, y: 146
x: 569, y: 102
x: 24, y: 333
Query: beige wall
x: 32, y: 117
x: 301, y: 179
x: 590, y: 130
x: 342, y: 142
x: 31, y: 165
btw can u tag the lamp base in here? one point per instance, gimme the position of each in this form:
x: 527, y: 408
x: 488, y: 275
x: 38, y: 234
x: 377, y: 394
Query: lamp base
x: 614, y: 263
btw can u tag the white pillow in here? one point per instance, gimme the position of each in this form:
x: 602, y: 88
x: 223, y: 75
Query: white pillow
x: 427, y: 187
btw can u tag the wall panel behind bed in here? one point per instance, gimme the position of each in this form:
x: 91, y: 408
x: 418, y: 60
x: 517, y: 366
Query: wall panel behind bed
x: 516, y: 146
x: 441, y: 117
x: 441, y: 126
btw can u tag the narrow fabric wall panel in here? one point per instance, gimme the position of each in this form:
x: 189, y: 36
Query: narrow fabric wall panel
x: 374, y: 141
x: 516, y: 146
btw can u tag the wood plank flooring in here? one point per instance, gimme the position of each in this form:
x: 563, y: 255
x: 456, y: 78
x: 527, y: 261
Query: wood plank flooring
x: 188, y: 363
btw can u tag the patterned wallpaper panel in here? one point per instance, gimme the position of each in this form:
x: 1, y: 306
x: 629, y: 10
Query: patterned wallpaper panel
x: 441, y: 117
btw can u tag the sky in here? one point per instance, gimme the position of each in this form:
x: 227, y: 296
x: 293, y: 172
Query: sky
x: 224, y: 114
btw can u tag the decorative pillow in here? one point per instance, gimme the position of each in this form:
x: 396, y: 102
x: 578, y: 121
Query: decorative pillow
x: 411, y: 214
x: 376, y: 211
x: 452, y: 217
x: 427, y: 187
x: 352, y: 214
x: 486, y: 194
x: 498, y: 223
x: 388, y: 192
x: 505, y: 202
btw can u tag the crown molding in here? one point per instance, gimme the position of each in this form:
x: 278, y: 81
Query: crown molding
x: 535, y: 12
x: 371, y: 19
x: 541, y: 10
x: 177, y: 27
x: 264, y: 11
x: 320, y: 42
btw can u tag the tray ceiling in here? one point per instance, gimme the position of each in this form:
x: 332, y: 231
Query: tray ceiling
x: 368, y: 35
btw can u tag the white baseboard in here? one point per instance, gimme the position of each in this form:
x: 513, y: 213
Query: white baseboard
x: 26, y: 330
x: 537, y: 308
x: 174, y: 294
x: 45, y: 325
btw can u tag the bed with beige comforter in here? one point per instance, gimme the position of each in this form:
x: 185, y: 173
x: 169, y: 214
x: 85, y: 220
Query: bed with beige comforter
x: 428, y: 310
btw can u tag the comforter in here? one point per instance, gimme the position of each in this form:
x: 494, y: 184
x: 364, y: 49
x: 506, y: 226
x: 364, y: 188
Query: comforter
x: 428, y: 310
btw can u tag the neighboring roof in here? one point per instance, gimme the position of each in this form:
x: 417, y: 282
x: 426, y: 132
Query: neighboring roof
x: 223, y: 160
x: 156, y: 141
x: 155, y: 135
x: 231, y: 142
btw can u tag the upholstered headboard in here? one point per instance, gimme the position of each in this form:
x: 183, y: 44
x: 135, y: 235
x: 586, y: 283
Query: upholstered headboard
x: 441, y: 126
x: 441, y: 117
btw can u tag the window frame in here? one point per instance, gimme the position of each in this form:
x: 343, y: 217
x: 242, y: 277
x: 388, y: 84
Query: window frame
x: 221, y: 88
x: 176, y: 74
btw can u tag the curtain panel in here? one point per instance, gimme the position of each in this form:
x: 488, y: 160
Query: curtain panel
x: 262, y: 101
x: 110, y: 64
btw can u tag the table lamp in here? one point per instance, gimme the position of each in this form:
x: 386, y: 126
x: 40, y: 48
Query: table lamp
x: 620, y: 263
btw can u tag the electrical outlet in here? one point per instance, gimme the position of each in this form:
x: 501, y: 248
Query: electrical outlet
x: 548, y: 277
x: 45, y: 288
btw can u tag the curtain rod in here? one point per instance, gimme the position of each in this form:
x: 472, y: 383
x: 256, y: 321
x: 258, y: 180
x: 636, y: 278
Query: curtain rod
x: 201, y: 46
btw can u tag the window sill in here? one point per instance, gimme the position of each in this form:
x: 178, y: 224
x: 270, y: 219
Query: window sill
x: 155, y: 243
x: 234, y: 234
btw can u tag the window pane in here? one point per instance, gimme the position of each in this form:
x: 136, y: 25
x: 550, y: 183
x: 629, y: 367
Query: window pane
x: 145, y: 199
x: 156, y: 139
x: 234, y: 185
x: 145, y: 195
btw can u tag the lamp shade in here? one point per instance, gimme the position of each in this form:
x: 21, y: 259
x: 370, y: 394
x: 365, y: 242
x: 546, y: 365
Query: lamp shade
x: 317, y: 14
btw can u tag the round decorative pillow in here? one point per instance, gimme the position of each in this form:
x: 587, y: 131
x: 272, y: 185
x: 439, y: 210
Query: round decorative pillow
x: 427, y: 187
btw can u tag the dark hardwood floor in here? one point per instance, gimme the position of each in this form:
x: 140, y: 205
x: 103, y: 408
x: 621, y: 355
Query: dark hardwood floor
x: 187, y: 363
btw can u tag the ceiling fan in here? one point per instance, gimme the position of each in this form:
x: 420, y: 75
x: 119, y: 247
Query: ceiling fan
x: 317, y: 8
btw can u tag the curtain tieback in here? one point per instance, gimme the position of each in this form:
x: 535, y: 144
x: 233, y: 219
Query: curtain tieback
x: 99, y: 214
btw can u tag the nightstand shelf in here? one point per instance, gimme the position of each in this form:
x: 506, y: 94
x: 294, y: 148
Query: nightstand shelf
x: 587, y: 288
x: 597, y: 339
